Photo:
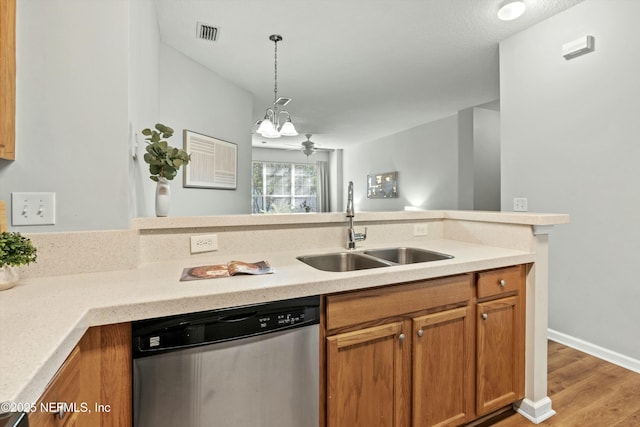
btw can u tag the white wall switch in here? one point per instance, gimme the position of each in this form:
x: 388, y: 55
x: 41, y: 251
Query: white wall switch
x: 33, y: 208
x: 204, y: 243
x: 520, y: 204
x: 420, y: 229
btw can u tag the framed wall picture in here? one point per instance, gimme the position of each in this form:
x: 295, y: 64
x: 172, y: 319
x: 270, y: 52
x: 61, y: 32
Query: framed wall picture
x: 382, y: 185
x: 214, y: 162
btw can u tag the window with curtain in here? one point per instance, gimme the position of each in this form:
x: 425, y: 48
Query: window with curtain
x: 284, y: 187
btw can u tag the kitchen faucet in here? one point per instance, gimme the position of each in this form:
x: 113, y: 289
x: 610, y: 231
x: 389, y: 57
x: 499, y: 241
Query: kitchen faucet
x: 352, y: 236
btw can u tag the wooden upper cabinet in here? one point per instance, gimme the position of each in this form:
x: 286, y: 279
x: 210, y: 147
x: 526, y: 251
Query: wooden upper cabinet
x: 7, y: 79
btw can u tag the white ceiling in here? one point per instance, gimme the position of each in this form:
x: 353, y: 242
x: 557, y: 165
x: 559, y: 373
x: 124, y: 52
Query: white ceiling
x: 356, y: 70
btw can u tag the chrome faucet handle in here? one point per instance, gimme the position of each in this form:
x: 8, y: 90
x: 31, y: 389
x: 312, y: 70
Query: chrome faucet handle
x: 360, y: 236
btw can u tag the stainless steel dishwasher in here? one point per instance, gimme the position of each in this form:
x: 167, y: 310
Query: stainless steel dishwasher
x: 248, y: 366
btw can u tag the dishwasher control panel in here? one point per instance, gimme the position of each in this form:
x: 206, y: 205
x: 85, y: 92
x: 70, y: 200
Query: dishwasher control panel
x: 194, y: 329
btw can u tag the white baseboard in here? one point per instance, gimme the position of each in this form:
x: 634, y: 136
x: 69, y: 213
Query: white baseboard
x: 536, y: 412
x: 595, y: 350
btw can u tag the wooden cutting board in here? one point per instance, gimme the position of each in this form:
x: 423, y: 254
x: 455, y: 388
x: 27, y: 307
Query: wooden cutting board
x: 3, y: 217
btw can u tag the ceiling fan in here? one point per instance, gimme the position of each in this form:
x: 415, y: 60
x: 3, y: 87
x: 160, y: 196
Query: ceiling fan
x: 309, y: 147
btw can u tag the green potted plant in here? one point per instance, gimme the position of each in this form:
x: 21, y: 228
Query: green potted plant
x: 15, y: 250
x: 164, y: 162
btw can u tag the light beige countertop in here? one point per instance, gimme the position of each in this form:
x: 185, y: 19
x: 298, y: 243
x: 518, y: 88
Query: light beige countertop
x: 43, y: 318
x: 527, y: 218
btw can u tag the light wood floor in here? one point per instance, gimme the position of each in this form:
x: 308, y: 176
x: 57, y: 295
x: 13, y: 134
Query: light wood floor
x: 587, y: 392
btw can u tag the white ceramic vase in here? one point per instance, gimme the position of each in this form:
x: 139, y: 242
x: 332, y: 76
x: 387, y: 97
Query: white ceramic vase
x: 163, y: 197
x: 9, y: 275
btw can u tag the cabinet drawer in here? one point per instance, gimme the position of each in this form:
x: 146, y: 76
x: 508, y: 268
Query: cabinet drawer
x: 375, y: 304
x: 64, y: 388
x: 500, y: 281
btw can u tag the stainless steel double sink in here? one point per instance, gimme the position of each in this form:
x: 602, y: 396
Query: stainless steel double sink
x: 372, y: 258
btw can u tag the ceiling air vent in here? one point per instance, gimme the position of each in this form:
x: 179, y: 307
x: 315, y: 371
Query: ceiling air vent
x: 207, y: 32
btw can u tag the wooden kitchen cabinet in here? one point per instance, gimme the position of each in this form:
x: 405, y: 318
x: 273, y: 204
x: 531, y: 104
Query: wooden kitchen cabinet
x: 500, y: 338
x: 65, y: 387
x: 7, y: 78
x: 355, y: 396
x: 443, y: 368
x: 372, y: 340
x: 93, y: 386
x: 440, y: 352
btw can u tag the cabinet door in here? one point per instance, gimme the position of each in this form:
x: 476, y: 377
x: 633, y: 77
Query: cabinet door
x: 94, y: 383
x: 366, y: 375
x: 7, y: 79
x: 500, y: 354
x: 443, y: 368
x: 60, y: 397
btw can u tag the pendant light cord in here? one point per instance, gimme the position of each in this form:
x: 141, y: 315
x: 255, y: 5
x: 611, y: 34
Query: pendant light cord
x: 275, y: 73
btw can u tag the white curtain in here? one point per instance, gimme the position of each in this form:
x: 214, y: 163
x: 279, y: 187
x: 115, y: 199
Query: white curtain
x: 322, y: 204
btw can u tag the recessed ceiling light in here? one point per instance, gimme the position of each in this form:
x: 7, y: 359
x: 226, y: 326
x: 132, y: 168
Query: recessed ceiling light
x: 511, y: 9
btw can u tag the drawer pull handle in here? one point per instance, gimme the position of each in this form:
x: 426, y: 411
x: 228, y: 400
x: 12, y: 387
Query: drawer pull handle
x: 503, y: 283
x: 402, y: 337
x: 420, y: 332
x: 485, y: 316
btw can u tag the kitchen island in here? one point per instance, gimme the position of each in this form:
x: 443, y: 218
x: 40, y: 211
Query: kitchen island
x: 47, y: 314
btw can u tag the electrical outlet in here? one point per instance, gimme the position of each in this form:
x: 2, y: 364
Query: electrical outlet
x: 520, y: 204
x: 33, y: 208
x: 420, y: 229
x: 204, y: 243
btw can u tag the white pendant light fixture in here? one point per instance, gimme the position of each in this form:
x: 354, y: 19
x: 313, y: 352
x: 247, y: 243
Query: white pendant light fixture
x: 270, y: 126
x: 511, y: 9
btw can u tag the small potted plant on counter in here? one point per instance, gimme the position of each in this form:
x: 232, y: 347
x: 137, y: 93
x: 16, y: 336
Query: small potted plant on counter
x: 15, y: 250
x: 164, y: 162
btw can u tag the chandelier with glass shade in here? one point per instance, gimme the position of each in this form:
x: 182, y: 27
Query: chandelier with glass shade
x: 270, y: 126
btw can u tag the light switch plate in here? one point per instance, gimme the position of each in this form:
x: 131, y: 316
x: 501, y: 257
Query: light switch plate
x: 33, y: 208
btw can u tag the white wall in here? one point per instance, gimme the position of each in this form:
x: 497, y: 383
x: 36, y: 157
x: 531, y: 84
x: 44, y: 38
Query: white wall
x: 486, y: 159
x: 194, y: 98
x: 337, y: 202
x: 479, y: 159
x: 90, y: 77
x: 571, y: 143
x: 426, y: 158
x: 71, y: 112
x: 465, y: 159
x: 452, y: 163
x: 144, y: 54
x: 287, y: 156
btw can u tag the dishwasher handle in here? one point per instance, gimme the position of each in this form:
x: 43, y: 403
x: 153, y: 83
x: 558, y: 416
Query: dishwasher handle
x: 237, y: 317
